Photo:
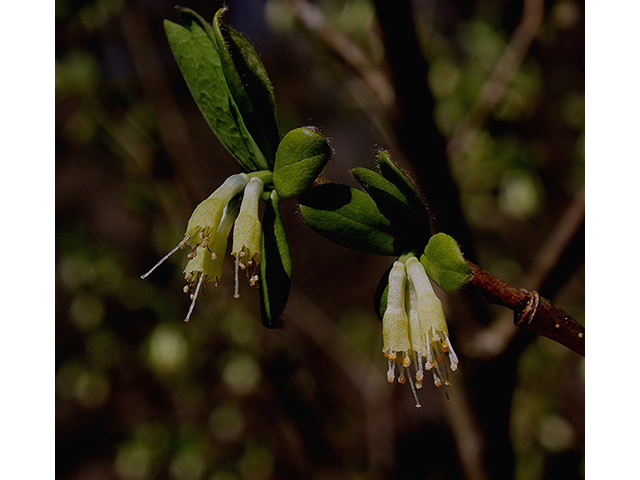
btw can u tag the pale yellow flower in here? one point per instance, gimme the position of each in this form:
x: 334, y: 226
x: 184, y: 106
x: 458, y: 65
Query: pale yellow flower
x: 414, y: 328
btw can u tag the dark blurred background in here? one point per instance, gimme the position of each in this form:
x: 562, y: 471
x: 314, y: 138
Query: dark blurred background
x: 142, y: 395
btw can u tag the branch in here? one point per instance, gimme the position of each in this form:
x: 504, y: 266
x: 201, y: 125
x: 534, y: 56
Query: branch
x: 344, y: 50
x: 362, y: 372
x: 378, y: 96
x: 531, y: 311
x: 500, y: 78
x: 557, y: 258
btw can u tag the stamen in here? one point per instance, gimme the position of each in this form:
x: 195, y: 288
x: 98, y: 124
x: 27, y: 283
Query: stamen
x: 173, y: 250
x: 413, y: 389
x: 391, y: 374
x: 407, y: 360
x: 236, y: 287
x: 440, y: 366
x: 430, y: 363
x: 193, y: 298
x: 453, y: 358
x: 419, y: 372
x: 436, y: 380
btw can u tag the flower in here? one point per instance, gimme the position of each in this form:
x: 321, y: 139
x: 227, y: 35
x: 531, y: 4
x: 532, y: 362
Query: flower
x: 234, y: 205
x: 414, y: 328
x: 247, y: 233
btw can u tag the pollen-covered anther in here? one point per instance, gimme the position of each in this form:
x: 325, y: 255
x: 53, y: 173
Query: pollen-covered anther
x: 186, y: 289
x: 253, y: 281
x: 407, y: 361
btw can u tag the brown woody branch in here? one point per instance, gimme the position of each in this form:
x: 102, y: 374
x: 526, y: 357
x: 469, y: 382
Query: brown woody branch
x: 531, y: 311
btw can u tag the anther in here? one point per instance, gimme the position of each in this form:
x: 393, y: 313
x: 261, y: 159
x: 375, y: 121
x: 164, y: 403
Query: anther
x: 391, y: 374
x: 407, y: 361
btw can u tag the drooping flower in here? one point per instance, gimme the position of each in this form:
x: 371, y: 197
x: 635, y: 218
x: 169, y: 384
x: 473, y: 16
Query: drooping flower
x: 247, y: 233
x: 433, y: 336
x: 234, y: 205
x: 414, y: 328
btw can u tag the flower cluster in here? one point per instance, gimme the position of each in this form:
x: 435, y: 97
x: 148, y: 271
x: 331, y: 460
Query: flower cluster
x: 414, y: 328
x: 234, y: 205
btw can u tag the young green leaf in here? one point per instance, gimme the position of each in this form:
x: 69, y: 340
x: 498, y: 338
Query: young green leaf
x: 249, y: 84
x: 301, y: 156
x: 444, y: 263
x: 276, y: 266
x: 391, y: 202
x: 392, y: 173
x: 350, y: 218
x: 199, y: 62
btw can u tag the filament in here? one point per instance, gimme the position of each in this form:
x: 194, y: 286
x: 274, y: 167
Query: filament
x: 193, y: 300
x: 173, y: 250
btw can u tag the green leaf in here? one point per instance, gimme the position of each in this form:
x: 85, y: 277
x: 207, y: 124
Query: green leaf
x: 250, y: 86
x: 392, y: 203
x: 392, y: 173
x: 444, y: 263
x: 301, y: 156
x: 350, y: 218
x: 276, y: 266
x: 199, y: 62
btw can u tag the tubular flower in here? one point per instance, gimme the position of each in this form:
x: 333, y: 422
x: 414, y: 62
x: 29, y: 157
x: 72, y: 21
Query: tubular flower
x: 414, y: 328
x: 234, y: 205
x: 247, y: 233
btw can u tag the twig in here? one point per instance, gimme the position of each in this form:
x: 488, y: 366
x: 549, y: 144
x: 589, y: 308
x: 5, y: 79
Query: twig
x: 364, y: 375
x: 495, y: 338
x: 377, y: 96
x: 172, y: 126
x: 531, y: 311
x: 500, y: 78
x: 347, y: 52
